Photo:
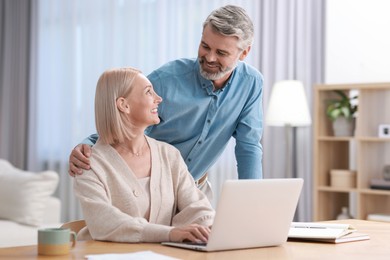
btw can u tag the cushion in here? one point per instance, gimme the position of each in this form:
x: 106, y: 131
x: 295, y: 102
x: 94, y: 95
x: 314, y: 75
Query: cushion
x: 23, y: 194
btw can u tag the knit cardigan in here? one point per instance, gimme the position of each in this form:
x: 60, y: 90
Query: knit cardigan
x: 108, y: 194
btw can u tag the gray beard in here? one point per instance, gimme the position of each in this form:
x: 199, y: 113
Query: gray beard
x: 215, y: 76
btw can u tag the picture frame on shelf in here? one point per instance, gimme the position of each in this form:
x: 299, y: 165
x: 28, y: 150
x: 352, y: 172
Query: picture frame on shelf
x: 384, y: 131
x: 386, y: 172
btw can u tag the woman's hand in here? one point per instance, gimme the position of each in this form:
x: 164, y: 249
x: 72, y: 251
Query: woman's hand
x: 193, y: 233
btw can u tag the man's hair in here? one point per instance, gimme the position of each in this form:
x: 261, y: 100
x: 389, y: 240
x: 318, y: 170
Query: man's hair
x: 232, y: 20
x: 111, y: 124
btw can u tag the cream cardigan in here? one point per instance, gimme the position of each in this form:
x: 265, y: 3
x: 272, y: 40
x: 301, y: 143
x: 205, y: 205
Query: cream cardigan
x: 108, y: 196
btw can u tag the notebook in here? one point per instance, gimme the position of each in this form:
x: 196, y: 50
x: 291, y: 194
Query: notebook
x: 251, y: 213
x: 324, y: 232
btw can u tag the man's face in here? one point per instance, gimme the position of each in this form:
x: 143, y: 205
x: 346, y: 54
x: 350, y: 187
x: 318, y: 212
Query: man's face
x: 218, y: 55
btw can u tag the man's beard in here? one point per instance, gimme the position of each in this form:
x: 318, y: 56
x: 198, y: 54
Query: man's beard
x: 217, y: 75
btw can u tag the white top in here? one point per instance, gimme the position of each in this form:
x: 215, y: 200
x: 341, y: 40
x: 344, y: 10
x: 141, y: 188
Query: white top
x: 144, y: 198
x: 113, y: 208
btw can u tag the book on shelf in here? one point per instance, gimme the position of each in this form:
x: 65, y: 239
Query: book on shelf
x: 324, y: 232
x: 379, y: 217
x: 380, y: 184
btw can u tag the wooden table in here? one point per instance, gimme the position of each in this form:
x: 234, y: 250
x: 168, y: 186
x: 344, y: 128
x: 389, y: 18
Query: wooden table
x: 378, y: 247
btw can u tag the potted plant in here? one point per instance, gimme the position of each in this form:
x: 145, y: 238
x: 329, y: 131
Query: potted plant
x: 341, y: 112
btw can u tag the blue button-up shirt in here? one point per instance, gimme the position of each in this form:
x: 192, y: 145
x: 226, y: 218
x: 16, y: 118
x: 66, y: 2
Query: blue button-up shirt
x: 200, y: 121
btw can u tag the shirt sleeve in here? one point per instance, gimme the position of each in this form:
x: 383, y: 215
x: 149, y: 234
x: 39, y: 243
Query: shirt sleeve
x: 248, y: 150
x: 91, y: 140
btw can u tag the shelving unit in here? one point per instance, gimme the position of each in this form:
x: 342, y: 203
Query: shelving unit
x: 364, y: 152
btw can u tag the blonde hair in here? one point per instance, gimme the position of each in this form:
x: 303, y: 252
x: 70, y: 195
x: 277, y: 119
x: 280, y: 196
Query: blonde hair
x: 112, y: 125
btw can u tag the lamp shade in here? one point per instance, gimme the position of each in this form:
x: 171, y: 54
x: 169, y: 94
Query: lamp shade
x: 288, y: 105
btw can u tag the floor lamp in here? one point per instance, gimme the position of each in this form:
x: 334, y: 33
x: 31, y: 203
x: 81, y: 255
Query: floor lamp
x: 288, y: 108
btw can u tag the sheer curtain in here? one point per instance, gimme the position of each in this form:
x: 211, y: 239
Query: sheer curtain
x: 75, y: 41
x: 289, y: 44
x: 293, y: 49
x: 14, y: 81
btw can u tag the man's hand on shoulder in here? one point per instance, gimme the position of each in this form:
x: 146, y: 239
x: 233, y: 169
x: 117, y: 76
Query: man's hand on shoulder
x: 79, y: 159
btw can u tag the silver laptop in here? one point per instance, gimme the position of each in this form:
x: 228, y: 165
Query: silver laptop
x: 251, y: 213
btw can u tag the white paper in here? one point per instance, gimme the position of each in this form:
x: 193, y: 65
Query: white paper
x: 318, y: 230
x: 320, y: 225
x: 142, y: 255
x: 317, y: 233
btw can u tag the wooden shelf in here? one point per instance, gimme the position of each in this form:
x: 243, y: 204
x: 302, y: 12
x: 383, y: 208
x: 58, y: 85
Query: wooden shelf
x: 375, y: 192
x: 335, y: 189
x: 373, y: 139
x: 335, y: 139
x: 365, y: 152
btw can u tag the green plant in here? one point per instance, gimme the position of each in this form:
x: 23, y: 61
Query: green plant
x: 341, y: 107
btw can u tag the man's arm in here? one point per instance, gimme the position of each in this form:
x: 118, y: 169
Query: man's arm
x: 248, y: 150
x: 91, y: 140
x: 249, y: 160
x: 79, y: 157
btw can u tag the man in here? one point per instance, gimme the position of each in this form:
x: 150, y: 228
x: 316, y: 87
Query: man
x: 208, y: 100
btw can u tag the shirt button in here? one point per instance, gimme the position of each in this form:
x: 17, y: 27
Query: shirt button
x: 208, y: 121
x: 200, y: 142
x: 136, y: 193
x: 189, y: 159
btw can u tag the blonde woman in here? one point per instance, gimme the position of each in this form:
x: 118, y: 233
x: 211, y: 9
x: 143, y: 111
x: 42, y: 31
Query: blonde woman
x: 138, y: 189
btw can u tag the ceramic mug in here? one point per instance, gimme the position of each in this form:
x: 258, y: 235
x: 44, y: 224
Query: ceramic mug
x: 55, y: 241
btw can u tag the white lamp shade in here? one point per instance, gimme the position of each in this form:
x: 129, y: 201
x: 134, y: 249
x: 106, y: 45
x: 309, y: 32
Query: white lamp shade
x: 288, y: 105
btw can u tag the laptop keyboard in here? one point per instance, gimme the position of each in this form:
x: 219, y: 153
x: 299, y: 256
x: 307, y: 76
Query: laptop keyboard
x: 196, y: 243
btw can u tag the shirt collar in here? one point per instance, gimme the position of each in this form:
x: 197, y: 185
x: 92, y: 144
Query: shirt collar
x: 205, y: 83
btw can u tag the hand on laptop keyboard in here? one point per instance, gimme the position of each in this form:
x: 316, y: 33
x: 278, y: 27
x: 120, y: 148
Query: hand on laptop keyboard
x: 193, y: 233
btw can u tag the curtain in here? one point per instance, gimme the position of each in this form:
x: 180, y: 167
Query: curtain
x: 289, y: 44
x: 75, y: 41
x: 294, y: 49
x: 14, y: 80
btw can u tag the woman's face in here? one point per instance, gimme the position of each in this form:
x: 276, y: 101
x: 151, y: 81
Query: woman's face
x: 143, y: 102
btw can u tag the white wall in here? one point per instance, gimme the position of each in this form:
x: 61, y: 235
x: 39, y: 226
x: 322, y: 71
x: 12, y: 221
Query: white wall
x: 357, y: 46
x: 357, y: 41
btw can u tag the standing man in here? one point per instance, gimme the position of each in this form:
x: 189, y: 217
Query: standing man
x: 208, y: 100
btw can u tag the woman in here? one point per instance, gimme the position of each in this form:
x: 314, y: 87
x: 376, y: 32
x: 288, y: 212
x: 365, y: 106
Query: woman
x: 138, y: 189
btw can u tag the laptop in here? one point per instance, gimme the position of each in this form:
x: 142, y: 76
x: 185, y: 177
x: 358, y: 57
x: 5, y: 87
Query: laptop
x: 251, y: 213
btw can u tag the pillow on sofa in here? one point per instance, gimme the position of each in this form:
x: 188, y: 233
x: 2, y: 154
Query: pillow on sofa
x: 23, y: 194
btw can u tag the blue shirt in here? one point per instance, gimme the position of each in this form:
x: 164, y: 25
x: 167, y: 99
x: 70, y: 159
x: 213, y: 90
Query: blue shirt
x: 199, y: 121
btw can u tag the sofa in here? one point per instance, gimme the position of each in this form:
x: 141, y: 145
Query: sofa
x: 26, y: 204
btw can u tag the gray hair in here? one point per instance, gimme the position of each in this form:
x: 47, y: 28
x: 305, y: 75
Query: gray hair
x: 232, y: 20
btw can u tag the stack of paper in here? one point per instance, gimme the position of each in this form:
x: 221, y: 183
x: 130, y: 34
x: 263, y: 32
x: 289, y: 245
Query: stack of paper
x: 324, y: 232
x: 144, y: 255
x: 379, y: 217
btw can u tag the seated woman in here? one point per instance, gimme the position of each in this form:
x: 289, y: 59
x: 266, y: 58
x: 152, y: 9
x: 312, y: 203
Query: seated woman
x: 138, y: 189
